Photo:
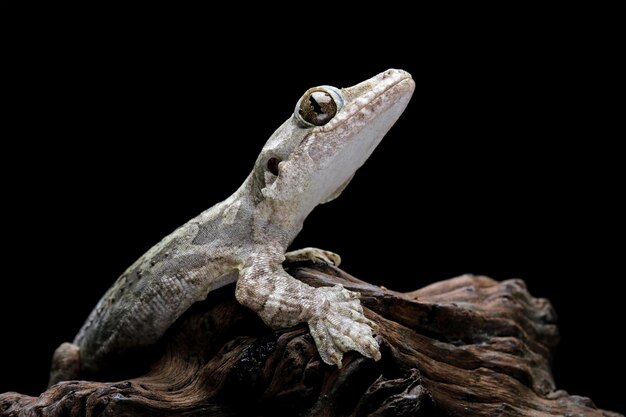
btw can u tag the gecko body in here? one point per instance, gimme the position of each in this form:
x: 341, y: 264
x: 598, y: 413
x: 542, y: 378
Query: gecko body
x: 308, y: 161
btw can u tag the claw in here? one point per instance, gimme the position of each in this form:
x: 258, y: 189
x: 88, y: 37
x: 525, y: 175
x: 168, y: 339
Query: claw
x: 374, y: 353
x: 374, y: 326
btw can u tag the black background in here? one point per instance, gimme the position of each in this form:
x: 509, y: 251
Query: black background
x: 119, y: 131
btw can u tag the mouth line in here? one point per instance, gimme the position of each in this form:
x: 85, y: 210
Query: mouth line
x: 358, y: 105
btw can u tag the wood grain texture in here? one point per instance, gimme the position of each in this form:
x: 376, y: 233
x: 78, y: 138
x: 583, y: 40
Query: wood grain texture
x: 468, y: 346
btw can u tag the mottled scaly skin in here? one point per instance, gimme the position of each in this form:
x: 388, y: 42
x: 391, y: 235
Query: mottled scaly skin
x: 161, y: 285
x: 244, y: 239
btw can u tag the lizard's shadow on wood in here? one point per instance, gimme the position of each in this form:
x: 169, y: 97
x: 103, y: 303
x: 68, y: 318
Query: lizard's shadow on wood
x: 464, y: 346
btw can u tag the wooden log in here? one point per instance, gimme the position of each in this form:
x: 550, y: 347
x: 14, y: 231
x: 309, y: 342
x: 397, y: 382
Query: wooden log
x: 468, y: 346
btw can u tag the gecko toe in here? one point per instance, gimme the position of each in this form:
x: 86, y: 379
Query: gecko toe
x: 338, y: 325
x: 315, y: 255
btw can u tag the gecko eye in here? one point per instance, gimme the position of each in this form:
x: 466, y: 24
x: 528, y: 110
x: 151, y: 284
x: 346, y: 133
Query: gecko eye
x: 318, y: 106
x: 272, y: 165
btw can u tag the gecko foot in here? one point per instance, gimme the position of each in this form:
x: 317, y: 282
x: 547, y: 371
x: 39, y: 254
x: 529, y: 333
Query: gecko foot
x: 337, y: 324
x: 313, y: 254
x: 65, y: 364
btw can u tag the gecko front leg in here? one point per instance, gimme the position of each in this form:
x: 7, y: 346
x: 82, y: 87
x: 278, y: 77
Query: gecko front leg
x: 334, y: 314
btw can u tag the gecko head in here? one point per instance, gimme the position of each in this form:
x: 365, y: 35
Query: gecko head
x: 311, y: 158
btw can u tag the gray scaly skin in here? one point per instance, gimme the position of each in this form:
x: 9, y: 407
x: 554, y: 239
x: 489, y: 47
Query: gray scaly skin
x: 308, y: 161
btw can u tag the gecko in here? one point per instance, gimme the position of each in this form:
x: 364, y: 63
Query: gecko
x: 307, y: 161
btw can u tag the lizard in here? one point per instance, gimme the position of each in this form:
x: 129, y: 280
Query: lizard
x: 307, y: 161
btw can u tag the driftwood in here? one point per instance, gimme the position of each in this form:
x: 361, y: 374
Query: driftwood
x: 468, y: 346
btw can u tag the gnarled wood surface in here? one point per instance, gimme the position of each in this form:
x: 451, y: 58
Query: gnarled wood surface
x: 468, y: 346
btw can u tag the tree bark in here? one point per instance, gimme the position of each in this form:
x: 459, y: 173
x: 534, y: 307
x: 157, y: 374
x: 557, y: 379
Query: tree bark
x: 467, y: 346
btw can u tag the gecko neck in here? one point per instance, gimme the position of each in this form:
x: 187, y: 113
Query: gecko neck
x: 275, y: 221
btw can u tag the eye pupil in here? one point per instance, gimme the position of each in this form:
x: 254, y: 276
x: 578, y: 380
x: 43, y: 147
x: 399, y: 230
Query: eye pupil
x: 317, y: 107
x: 272, y: 165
